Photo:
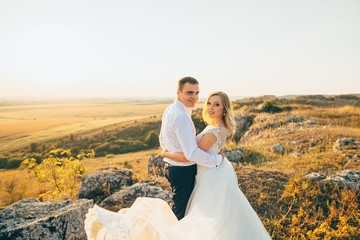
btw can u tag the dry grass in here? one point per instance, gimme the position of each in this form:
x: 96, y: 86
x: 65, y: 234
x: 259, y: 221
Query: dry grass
x: 21, y: 125
x: 314, y: 143
x: 345, y: 116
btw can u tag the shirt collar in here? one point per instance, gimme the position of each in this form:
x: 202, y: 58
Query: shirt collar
x: 182, y: 106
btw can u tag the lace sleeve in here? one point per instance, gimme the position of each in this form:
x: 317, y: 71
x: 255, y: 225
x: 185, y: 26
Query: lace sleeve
x: 220, y: 134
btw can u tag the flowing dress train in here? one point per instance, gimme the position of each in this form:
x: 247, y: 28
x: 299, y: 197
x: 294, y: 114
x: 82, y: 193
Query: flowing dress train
x: 217, y: 210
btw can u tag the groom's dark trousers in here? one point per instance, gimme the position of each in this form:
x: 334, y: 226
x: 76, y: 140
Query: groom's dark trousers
x: 182, y: 180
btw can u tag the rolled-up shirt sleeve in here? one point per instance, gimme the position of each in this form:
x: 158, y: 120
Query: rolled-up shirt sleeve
x: 185, y: 135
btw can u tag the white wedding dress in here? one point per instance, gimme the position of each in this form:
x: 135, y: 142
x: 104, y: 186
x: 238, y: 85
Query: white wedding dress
x: 217, y: 210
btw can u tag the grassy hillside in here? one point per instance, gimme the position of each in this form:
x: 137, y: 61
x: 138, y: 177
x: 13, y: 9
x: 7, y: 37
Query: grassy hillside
x: 290, y: 206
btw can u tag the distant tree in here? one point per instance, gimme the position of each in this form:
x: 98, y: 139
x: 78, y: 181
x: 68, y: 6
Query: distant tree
x: 269, y: 106
x: 152, y: 139
x: 33, y: 147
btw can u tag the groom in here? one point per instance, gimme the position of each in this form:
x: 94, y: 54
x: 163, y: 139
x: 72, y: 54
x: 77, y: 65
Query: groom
x: 178, y: 135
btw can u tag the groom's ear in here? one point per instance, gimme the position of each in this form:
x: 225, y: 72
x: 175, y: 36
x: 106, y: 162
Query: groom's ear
x: 178, y: 92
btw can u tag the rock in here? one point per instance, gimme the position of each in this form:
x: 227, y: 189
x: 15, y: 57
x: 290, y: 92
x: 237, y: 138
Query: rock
x: 156, y: 166
x: 31, y: 219
x: 234, y: 155
x: 243, y: 122
x: 292, y: 119
x: 126, y: 197
x: 312, y: 122
x: 251, y: 132
x: 278, y: 148
x: 289, y: 130
x: 314, y: 176
x: 261, y: 107
x: 295, y: 154
x: 235, y: 165
x: 345, y: 143
x: 96, y: 184
x: 346, y: 179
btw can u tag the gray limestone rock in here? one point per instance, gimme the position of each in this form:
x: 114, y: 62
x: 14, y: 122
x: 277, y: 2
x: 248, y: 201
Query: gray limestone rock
x: 243, y: 122
x: 31, y: 219
x: 126, y: 197
x: 295, y: 154
x: 95, y: 184
x: 313, y: 122
x: 345, y: 143
x: 314, y: 176
x: 346, y: 179
x: 278, y: 148
x: 235, y: 155
x: 156, y: 166
x: 251, y: 133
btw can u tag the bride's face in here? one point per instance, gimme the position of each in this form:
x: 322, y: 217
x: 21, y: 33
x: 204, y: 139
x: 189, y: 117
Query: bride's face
x: 215, y: 107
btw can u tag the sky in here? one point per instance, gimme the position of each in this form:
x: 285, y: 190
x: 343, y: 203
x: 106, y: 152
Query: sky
x: 141, y: 48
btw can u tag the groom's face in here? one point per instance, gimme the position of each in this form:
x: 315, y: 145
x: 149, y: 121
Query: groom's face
x: 189, y: 95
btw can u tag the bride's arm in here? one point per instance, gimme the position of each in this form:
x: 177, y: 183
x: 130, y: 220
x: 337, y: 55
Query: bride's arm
x: 205, y: 142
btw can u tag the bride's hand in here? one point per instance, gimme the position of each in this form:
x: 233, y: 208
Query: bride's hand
x: 164, y: 151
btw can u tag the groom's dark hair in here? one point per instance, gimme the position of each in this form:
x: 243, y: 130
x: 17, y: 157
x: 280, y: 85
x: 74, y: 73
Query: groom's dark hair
x: 184, y: 80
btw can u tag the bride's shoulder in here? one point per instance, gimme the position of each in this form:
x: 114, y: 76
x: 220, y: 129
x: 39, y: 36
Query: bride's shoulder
x: 218, y: 131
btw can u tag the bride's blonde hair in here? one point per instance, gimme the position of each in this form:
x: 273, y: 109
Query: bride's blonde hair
x: 228, y: 116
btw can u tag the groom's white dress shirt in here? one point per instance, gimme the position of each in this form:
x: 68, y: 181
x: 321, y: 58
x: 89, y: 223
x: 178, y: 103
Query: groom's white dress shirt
x: 177, y: 134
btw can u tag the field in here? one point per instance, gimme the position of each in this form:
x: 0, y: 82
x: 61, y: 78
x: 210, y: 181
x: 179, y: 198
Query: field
x: 42, y: 122
x: 21, y: 125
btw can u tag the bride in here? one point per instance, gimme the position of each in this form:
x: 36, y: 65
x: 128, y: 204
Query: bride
x: 217, y: 209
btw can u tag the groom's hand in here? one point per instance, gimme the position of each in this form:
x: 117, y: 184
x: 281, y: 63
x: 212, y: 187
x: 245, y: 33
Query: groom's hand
x: 222, y: 154
x: 164, y: 151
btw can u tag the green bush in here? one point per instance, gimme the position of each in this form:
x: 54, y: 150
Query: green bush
x: 152, y: 140
x: 115, y: 149
x: 34, y: 147
x: 130, y: 146
x: 3, y: 162
x: 37, y: 156
x: 94, y: 145
x: 102, y: 149
x: 269, y: 106
x: 13, y: 163
x: 111, y: 139
x: 235, y: 107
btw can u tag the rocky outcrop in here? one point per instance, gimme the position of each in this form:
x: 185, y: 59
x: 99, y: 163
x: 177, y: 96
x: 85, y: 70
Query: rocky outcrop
x: 295, y: 154
x: 235, y: 155
x: 275, y: 123
x: 314, y: 176
x: 278, y: 148
x: 31, y: 219
x: 104, y: 180
x: 261, y: 107
x: 126, y: 197
x: 345, y: 179
x: 156, y: 166
x: 345, y: 143
x: 243, y: 122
